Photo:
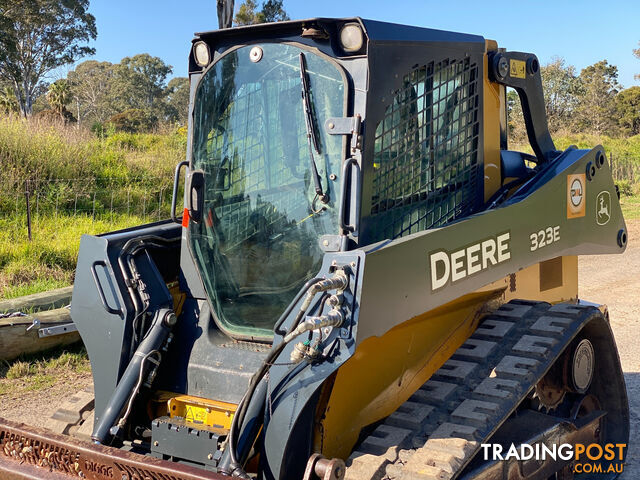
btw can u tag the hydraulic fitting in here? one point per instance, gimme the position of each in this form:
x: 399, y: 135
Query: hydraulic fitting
x: 332, y: 319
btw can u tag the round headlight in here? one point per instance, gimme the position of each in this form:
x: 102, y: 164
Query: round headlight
x: 201, y: 54
x: 351, y: 37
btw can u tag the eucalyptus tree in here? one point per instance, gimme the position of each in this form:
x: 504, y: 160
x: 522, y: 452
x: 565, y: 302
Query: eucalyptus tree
x: 38, y: 36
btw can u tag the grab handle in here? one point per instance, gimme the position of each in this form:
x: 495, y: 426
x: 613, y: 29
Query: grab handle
x: 103, y: 299
x: 176, y: 183
x: 350, y: 168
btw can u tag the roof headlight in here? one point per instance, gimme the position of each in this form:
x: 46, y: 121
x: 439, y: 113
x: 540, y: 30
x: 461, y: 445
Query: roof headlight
x: 201, y: 54
x: 351, y: 37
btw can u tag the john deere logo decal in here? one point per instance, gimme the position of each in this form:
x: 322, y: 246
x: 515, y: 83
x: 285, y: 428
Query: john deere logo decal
x: 576, y: 195
x: 603, y: 208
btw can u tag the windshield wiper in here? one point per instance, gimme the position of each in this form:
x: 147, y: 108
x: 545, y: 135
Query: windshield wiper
x: 312, y: 134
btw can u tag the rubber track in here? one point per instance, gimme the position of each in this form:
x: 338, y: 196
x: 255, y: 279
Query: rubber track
x: 434, y: 434
x: 74, y: 416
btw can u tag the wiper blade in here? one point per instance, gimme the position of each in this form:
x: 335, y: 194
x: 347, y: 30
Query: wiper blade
x: 312, y: 134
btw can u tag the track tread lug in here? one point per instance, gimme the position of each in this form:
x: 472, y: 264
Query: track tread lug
x: 515, y: 367
x: 411, y: 415
x: 500, y: 388
x: 511, y: 310
x: 475, y: 349
x: 551, y: 325
x: 569, y: 309
x: 456, y: 369
x: 434, y: 391
x: 534, y: 345
x: 494, y: 328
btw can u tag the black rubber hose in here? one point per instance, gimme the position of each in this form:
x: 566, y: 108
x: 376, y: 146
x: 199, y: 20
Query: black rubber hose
x: 235, y: 466
x: 295, y: 301
x: 136, y: 370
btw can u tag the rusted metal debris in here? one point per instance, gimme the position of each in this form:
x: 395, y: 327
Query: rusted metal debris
x: 33, y: 453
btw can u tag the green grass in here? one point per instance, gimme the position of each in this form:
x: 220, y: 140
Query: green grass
x: 40, y: 371
x: 630, y: 206
x: 80, y: 184
x: 38, y: 150
x: 49, y: 260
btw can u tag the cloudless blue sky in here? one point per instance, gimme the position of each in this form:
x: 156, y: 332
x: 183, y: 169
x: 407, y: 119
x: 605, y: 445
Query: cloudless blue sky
x: 581, y: 31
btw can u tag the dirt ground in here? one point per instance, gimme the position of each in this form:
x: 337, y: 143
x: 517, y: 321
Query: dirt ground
x: 610, y: 279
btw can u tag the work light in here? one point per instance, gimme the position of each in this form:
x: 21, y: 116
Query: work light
x: 351, y: 37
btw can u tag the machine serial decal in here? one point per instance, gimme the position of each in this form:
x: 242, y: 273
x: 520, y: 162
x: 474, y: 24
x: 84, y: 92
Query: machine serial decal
x: 576, y: 195
x: 467, y: 261
x: 603, y: 208
x: 544, y: 237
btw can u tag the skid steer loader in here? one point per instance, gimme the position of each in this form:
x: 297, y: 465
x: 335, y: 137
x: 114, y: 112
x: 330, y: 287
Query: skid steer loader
x: 365, y: 283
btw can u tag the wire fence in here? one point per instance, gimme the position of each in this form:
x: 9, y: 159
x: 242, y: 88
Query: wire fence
x: 24, y: 202
x: 106, y: 199
x: 625, y: 168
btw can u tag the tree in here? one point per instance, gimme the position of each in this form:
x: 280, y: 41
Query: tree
x: 515, y: 120
x: 138, y: 82
x: 560, y: 86
x: 598, y: 86
x: 8, y: 103
x: 59, y: 96
x: 90, y: 84
x: 133, y: 120
x: 272, y: 11
x: 636, y: 53
x: 247, y: 14
x: 628, y: 108
x: 39, y: 36
x: 176, y: 97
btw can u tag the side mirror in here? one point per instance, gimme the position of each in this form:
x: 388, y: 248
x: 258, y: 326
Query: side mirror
x: 195, y: 195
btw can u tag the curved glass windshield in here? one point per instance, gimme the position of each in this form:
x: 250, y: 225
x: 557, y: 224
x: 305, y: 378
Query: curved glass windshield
x: 258, y: 242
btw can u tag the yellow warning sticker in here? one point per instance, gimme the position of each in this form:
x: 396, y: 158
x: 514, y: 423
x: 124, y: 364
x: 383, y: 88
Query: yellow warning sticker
x: 195, y: 414
x: 517, y: 68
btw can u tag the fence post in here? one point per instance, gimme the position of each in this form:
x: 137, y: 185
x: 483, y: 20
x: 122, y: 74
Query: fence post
x: 144, y: 207
x: 26, y: 194
x: 94, y: 207
x: 111, y: 216
x: 159, y: 202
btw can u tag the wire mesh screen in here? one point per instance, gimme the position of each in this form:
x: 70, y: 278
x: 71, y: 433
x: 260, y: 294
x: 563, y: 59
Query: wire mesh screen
x: 426, y: 150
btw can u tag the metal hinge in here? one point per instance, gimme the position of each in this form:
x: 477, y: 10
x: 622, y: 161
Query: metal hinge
x: 57, y: 330
x: 346, y: 126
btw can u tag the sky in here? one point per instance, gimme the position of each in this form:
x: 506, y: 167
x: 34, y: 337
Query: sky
x: 581, y: 31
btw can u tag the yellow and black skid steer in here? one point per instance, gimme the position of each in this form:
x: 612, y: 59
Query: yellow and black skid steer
x: 364, y: 283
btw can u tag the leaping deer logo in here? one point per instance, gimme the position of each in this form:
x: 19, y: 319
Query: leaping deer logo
x: 603, y: 208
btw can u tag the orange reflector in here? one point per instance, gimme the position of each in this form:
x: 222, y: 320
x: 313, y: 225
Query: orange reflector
x: 185, y: 218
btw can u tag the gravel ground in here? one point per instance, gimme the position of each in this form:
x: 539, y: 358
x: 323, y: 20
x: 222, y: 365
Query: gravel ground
x: 610, y: 279
x: 615, y: 281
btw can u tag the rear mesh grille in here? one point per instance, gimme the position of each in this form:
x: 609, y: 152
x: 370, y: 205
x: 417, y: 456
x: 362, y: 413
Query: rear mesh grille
x: 426, y: 150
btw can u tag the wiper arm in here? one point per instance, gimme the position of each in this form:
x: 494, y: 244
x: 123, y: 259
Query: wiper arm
x: 312, y: 134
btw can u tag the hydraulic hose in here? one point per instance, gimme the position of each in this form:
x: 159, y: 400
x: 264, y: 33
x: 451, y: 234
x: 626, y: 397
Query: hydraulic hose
x: 339, y: 281
x: 129, y: 385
